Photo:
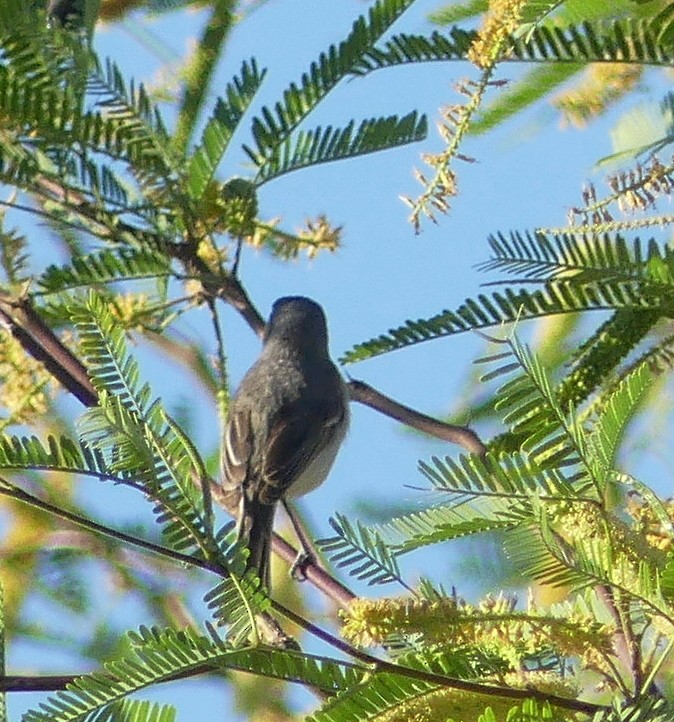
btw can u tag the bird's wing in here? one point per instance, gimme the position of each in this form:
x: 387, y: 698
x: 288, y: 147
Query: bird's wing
x: 237, y: 455
x: 298, y: 434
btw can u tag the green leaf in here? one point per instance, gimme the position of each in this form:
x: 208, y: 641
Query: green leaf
x: 215, y: 139
x: 108, y: 266
x: 405, y: 48
x: 154, y: 659
x: 103, y: 344
x: 136, y: 437
x: 486, y: 494
x: 521, y: 94
x: 135, y: 710
x: 131, y: 128
x: 586, y: 258
x: 149, y: 451
x: 627, y: 40
x: 618, y: 409
x: 449, y: 14
x: 649, y: 708
x: 237, y: 600
x: 373, y: 697
x: 156, y: 656
x: 624, y: 40
x: 513, y: 476
x: 547, y: 558
x: 322, y: 145
x: 59, y: 454
x: 531, y: 409
x: 441, y: 523
x: 362, y: 551
x: 272, y: 128
x: 559, y: 296
x: 642, y: 130
x: 667, y: 576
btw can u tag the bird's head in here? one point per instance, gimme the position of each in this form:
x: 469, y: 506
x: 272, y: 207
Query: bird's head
x: 299, y: 321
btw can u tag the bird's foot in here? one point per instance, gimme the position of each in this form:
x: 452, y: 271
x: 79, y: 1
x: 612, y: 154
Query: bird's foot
x: 298, y: 570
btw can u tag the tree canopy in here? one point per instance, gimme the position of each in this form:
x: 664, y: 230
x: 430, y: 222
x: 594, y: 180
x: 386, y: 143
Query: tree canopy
x: 131, y: 222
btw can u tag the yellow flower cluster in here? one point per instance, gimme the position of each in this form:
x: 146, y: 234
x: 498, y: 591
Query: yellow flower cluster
x: 229, y: 207
x: 316, y: 235
x: 494, y: 626
x: 441, y: 705
x: 23, y: 382
x: 575, y: 521
x: 135, y: 312
x: 499, y: 24
x: 319, y: 235
x: 548, y: 682
x: 602, y: 85
x: 657, y: 531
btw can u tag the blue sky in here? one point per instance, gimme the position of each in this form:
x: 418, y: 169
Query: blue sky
x: 528, y: 173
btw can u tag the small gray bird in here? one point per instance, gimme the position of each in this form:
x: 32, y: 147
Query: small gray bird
x: 286, y: 423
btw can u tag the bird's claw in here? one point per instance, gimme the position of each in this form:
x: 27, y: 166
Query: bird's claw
x: 298, y: 570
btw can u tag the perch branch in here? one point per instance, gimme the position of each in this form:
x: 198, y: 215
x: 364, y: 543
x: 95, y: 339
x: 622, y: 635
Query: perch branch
x: 461, y: 435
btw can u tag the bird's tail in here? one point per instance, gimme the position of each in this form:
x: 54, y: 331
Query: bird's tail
x: 257, y: 535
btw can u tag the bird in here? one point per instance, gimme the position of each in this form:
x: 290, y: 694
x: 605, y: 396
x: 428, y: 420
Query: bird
x: 285, y: 424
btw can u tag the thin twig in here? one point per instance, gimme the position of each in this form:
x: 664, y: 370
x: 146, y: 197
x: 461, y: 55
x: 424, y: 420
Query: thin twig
x: 649, y: 682
x: 222, y: 393
x: 623, y: 641
x: 221, y: 285
x: 461, y: 435
x: 14, y: 492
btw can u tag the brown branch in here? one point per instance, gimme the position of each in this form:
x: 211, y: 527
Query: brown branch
x: 40, y: 342
x: 461, y: 435
x: 55, y: 683
x: 14, y: 683
x: 230, y: 290
x: 319, y: 577
x: 37, y: 339
x: 225, y: 286
x: 374, y: 663
x: 45, y: 683
x: 441, y: 680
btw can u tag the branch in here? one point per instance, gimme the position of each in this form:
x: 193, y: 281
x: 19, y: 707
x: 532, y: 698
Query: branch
x: 12, y: 683
x: 461, y: 435
x: 45, y: 683
x: 626, y: 647
x: 225, y: 286
x: 319, y: 577
x: 375, y: 664
x: 38, y: 340
x: 228, y: 288
x: 14, y: 492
